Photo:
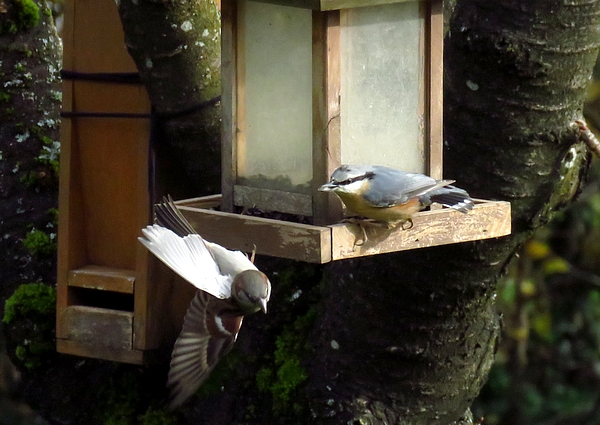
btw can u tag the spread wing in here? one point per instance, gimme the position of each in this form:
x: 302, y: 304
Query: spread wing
x: 189, y: 257
x: 230, y: 262
x: 396, y: 187
x: 204, y: 339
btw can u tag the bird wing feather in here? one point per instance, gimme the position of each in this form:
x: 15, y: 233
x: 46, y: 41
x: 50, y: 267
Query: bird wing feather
x: 189, y: 257
x: 230, y: 262
x: 396, y: 187
x: 196, y: 352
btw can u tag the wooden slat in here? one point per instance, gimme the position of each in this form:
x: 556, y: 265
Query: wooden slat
x: 270, y: 237
x: 91, y: 96
x: 431, y: 228
x: 435, y: 53
x: 98, y: 326
x: 104, y: 352
x: 109, y: 155
x: 103, y: 279
x: 347, y: 4
x: 98, y: 38
x: 332, y: 4
x: 149, y: 296
x: 228, y: 102
x: 327, y: 149
x: 273, y: 200
x: 71, y: 246
x: 210, y: 201
x: 318, y: 244
x: 240, y: 136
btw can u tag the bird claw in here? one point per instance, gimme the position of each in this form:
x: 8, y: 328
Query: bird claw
x: 359, y: 242
x: 403, y: 224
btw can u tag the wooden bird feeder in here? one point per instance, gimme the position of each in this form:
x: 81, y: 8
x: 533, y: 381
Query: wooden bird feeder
x: 309, y: 85
x: 115, y: 301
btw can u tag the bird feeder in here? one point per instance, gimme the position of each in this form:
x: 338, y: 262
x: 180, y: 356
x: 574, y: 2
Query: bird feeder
x: 309, y: 85
x: 114, y: 300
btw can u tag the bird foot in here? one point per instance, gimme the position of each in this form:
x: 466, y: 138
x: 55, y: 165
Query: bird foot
x: 363, y: 223
x: 407, y: 224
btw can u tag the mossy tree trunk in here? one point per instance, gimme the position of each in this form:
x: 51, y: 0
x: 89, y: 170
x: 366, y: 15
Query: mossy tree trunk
x: 30, y: 98
x: 176, y: 48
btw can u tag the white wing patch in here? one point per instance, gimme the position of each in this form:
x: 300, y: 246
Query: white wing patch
x: 190, y: 258
x: 230, y: 262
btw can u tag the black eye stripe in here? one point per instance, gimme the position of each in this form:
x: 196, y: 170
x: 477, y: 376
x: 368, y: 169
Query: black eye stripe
x: 357, y: 178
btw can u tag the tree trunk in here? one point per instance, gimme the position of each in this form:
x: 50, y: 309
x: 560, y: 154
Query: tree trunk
x: 30, y: 100
x: 176, y: 48
x: 30, y: 96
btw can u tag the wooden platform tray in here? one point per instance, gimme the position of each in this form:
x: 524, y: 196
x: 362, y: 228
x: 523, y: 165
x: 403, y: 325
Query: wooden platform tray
x: 322, y: 244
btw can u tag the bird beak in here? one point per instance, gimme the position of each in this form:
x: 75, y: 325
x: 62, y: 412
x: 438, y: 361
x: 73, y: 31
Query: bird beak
x: 263, y: 305
x: 327, y: 187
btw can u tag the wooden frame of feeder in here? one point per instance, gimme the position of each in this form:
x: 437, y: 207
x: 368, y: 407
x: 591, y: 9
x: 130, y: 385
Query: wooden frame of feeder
x: 115, y: 301
x: 324, y: 241
x: 322, y: 244
x: 326, y: 126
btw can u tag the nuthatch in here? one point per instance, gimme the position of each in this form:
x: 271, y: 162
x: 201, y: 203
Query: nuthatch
x: 230, y: 287
x: 392, y: 196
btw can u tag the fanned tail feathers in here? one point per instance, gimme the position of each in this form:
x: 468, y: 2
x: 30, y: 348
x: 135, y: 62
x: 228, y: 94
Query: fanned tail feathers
x: 452, y: 197
x: 169, y: 216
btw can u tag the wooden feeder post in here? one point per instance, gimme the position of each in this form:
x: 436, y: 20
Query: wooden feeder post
x: 309, y: 85
x: 114, y: 300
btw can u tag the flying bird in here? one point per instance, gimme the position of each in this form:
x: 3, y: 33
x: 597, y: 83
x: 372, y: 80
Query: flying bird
x: 392, y: 196
x: 229, y: 288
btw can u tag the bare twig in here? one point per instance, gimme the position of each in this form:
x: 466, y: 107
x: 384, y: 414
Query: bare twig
x: 588, y: 137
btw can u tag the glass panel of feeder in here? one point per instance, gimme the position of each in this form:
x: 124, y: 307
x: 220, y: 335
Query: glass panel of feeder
x: 382, y: 85
x: 275, y: 91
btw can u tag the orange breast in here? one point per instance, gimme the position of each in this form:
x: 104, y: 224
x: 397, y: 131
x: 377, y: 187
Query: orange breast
x: 358, y: 205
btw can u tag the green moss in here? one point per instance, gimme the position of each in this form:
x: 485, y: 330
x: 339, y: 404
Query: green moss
x: 29, y: 179
x: 50, y: 152
x: 53, y: 215
x: 31, y: 299
x: 39, y: 243
x: 4, y: 97
x: 19, y: 67
x: 27, y: 14
x: 30, y: 313
x: 288, y: 373
x: 32, y: 354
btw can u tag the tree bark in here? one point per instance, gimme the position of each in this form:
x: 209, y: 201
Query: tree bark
x: 29, y: 143
x: 176, y: 48
x: 30, y: 100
